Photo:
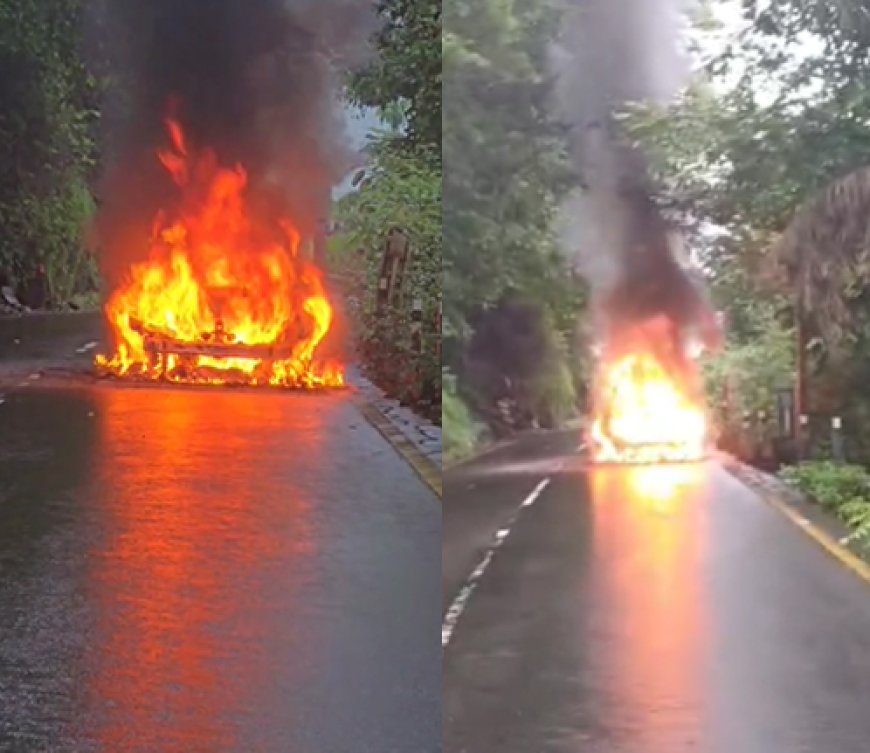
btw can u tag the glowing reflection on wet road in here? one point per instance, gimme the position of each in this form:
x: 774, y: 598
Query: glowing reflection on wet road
x: 648, y: 528
x: 189, y: 570
x: 199, y: 533
x: 649, y: 610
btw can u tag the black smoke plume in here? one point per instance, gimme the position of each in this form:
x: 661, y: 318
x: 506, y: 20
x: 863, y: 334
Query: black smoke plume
x: 254, y: 80
x: 612, y: 53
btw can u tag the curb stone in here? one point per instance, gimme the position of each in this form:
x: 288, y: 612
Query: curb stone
x: 417, y: 439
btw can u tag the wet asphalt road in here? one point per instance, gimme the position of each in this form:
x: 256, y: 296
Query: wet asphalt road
x: 186, y: 571
x: 644, y: 611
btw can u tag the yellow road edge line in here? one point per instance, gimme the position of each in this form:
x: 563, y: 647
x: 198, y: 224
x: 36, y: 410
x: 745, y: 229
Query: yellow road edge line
x: 428, y: 471
x: 848, y: 559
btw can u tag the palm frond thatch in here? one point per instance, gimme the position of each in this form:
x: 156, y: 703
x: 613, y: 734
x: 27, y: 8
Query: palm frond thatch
x: 826, y: 249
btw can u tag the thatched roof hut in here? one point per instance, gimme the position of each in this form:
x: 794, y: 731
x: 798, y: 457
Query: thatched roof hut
x: 825, y: 250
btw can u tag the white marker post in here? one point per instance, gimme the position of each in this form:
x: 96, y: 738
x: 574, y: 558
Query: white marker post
x: 802, y: 438
x: 838, y: 449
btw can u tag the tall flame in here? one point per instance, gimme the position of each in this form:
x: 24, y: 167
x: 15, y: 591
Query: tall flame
x: 221, y: 298
x: 648, y: 406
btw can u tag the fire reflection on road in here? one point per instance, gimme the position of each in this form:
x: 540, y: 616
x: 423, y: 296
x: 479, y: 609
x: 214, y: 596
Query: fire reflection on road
x: 182, y: 585
x: 648, y: 523
x: 662, y: 488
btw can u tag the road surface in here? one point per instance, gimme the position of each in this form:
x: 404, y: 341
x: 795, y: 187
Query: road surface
x: 210, y: 571
x: 642, y: 611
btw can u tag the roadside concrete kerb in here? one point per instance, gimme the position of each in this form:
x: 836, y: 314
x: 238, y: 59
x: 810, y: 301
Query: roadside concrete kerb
x: 415, y: 437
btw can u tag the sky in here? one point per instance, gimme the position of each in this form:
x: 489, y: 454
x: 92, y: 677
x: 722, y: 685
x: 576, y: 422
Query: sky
x: 729, y: 13
x: 358, y: 125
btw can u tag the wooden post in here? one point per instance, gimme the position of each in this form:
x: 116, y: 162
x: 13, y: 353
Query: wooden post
x: 394, y: 266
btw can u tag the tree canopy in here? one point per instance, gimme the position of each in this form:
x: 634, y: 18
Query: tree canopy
x: 405, y: 76
x: 47, y: 140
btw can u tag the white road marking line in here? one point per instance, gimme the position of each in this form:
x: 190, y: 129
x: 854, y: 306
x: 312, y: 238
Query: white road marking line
x: 457, y: 607
x: 87, y: 346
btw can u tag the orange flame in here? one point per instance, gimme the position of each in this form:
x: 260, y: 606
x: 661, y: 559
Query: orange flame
x: 648, y: 406
x: 220, y: 299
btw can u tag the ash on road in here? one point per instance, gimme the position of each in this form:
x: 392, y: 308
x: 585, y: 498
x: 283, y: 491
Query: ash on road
x: 655, y: 610
x: 205, y: 570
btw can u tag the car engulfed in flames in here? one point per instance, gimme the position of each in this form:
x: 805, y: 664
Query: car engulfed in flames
x: 648, y: 402
x: 222, y: 297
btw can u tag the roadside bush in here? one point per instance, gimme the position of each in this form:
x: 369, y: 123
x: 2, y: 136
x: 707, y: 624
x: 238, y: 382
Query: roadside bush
x: 518, y: 357
x: 56, y: 224
x: 553, y: 395
x: 856, y: 515
x: 459, y: 432
x: 843, y: 489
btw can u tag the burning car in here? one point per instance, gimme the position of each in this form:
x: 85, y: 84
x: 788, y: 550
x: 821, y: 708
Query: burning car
x: 226, y: 295
x: 648, y: 399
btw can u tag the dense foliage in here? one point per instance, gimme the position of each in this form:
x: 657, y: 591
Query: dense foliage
x: 460, y: 431
x: 400, y: 188
x: 404, y: 81
x: 743, y: 379
x: 506, y: 173
x: 47, y: 143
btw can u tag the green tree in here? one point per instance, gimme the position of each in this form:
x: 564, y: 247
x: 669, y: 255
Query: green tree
x: 404, y: 81
x: 748, y: 158
x: 47, y: 144
x: 506, y: 173
x: 401, y: 188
